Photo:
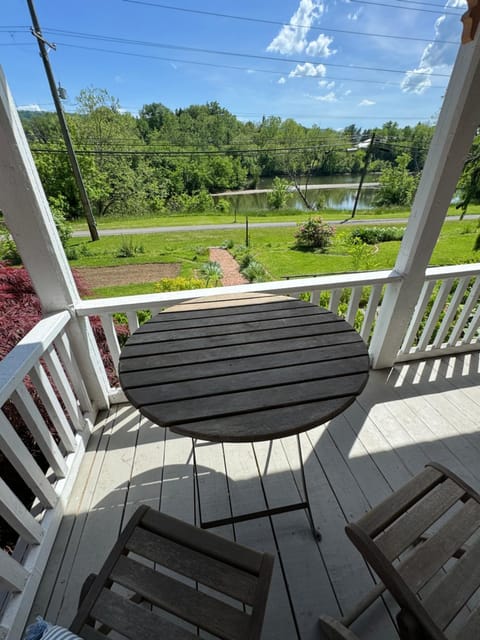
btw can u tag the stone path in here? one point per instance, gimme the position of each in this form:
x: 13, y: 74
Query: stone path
x: 231, y: 271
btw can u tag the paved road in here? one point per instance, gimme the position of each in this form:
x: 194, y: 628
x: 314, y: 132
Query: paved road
x: 239, y: 225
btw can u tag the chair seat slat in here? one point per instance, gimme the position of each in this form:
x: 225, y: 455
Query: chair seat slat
x: 407, y: 529
x: 184, y: 576
x: 181, y: 599
x: 192, y: 564
x: 429, y: 557
x: 134, y: 621
x: 381, y: 516
x: 456, y: 588
x: 220, y: 548
x: 471, y: 626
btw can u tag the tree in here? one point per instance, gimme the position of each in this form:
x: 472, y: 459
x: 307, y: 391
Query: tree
x: 469, y: 184
x: 116, y: 183
x: 397, y: 185
x: 279, y: 195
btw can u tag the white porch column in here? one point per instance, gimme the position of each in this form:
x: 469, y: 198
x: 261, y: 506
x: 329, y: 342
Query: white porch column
x: 29, y: 220
x: 456, y: 127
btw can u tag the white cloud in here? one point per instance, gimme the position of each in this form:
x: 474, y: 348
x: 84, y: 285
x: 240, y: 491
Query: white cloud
x: 417, y: 80
x: 282, y: 80
x: 292, y: 39
x: 29, y: 107
x: 320, y: 46
x: 354, y: 15
x: 348, y: 92
x: 366, y: 103
x: 329, y: 97
x: 308, y: 69
x: 437, y: 57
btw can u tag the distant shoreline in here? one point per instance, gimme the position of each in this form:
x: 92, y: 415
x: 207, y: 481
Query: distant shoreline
x: 342, y: 185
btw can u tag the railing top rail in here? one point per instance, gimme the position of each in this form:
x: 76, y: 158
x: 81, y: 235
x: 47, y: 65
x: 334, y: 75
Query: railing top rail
x: 455, y: 271
x: 16, y: 365
x: 111, y: 305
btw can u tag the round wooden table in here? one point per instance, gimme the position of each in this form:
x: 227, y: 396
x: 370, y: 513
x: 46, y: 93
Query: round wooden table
x: 243, y: 368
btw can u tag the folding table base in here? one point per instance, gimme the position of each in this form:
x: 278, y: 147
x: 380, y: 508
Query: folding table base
x: 305, y: 504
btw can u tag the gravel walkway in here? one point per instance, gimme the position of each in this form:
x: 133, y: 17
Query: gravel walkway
x: 231, y: 272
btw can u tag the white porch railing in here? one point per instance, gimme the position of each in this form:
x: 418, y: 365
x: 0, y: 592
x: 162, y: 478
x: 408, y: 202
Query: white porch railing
x: 355, y: 296
x: 43, y: 361
x: 446, y: 319
x: 447, y: 316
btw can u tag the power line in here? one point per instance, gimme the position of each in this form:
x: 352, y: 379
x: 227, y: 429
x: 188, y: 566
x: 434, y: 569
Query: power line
x: 213, y: 152
x: 74, y: 34
x: 394, y: 6
x: 228, y: 66
x: 282, y: 24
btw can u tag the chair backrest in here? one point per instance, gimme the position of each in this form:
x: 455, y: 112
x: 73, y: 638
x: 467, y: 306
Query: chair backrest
x: 410, y: 540
x: 190, y: 577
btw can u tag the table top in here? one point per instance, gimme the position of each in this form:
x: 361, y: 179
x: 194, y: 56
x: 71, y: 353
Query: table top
x: 243, y: 367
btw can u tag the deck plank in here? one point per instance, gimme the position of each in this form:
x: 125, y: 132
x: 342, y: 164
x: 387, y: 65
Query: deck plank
x: 414, y: 414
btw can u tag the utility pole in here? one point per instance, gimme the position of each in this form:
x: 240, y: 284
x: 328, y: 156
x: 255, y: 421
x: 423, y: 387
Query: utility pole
x: 42, y: 45
x: 364, y: 172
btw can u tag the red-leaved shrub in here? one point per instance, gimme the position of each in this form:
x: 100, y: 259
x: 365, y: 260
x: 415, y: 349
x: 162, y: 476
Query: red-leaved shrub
x: 20, y: 311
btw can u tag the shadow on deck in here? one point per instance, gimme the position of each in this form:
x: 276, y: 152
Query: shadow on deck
x: 405, y: 418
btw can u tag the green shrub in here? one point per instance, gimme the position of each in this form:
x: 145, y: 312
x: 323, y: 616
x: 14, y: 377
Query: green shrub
x: 223, y: 205
x: 212, y: 272
x: 129, y: 248
x: 280, y: 194
x: 178, y: 284
x: 8, y: 250
x: 314, y: 234
x: 374, y: 235
x: 254, y: 272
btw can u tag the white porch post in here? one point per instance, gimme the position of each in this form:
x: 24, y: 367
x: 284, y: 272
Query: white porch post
x: 456, y: 127
x: 29, y: 220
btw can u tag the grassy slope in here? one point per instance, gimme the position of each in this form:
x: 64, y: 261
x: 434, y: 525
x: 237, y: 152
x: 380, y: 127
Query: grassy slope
x: 272, y: 247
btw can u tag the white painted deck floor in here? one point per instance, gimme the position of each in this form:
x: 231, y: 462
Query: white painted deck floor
x: 415, y: 413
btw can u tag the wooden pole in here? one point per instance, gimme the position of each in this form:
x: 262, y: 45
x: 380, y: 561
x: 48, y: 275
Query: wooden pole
x: 37, y: 33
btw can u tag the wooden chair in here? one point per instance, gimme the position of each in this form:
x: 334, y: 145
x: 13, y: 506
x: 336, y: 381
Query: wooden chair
x: 424, y: 544
x: 165, y: 578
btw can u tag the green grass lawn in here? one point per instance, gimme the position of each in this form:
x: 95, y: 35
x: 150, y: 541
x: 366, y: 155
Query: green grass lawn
x: 272, y: 247
x: 170, y: 220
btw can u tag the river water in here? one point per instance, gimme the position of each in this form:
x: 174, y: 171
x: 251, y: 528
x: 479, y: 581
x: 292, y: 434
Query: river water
x: 337, y: 198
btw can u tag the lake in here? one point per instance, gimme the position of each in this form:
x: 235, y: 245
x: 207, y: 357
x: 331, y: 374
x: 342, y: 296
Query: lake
x: 341, y: 198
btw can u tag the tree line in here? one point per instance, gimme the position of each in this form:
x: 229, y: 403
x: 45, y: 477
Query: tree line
x: 164, y: 160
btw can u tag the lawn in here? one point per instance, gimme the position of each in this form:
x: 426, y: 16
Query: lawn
x: 272, y: 247
x: 170, y: 220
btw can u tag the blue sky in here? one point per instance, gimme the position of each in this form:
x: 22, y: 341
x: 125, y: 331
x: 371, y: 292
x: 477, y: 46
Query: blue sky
x: 325, y: 62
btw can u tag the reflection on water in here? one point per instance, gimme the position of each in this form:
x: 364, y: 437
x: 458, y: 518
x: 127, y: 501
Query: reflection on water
x: 327, y: 198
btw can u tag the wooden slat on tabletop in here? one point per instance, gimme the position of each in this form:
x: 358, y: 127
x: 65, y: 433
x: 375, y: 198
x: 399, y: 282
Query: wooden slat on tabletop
x: 213, y: 317
x: 268, y: 423
x: 249, y: 324
x: 176, y: 344
x: 171, y: 413
x: 267, y: 378
x: 150, y: 359
x: 242, y: 364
